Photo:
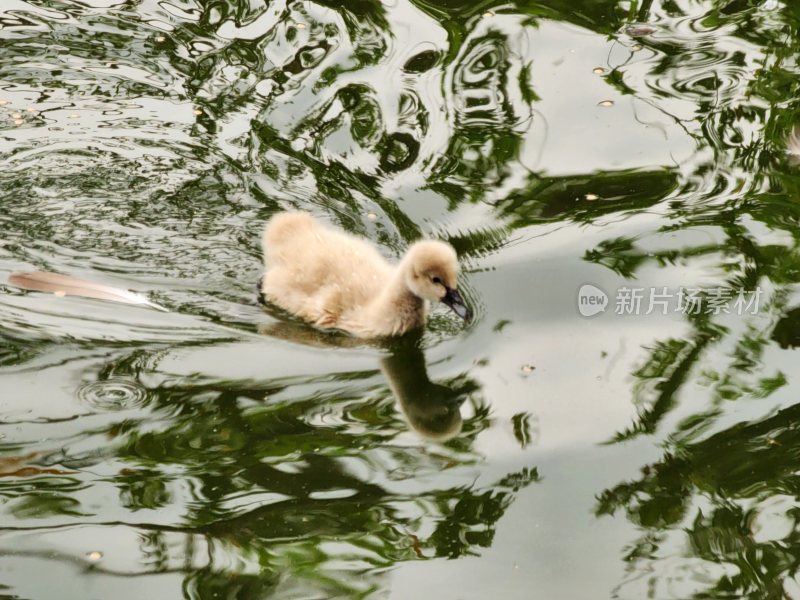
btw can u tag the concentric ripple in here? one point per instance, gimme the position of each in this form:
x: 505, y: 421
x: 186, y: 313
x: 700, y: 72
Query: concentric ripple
x: 114, y: 394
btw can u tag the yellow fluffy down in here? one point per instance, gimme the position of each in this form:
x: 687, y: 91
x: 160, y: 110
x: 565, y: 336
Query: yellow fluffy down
x: 334, y: 280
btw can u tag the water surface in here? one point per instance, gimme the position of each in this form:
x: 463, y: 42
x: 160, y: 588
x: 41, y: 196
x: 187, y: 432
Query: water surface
x: 216, y: 451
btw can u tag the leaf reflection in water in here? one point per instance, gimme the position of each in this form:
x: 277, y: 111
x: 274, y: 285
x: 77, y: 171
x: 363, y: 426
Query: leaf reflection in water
x: 296, y: 485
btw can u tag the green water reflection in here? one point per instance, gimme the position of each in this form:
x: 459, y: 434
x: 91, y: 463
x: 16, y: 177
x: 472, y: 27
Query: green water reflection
x: 219, y: 450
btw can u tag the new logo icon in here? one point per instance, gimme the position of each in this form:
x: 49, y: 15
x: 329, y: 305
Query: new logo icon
x: 591, y: 300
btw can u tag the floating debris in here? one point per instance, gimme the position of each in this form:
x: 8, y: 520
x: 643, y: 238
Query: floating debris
x: 30, y: 109
x: 300, y: 25
x: 94, y: 555
x: 197, y: 111
x: 527, y: 369
x: 640, y: 29
x: 487, y: 15
x: 606, y: 103
x: 17, y: 115
x: 599, y: 71
x: 3, y: 102
x: 592, y: 197
x: 72, y: 286
x: 160, y: 38
x: 18, y: 121
x: 74, y: 116
x: 372, y: 216
x: 637, y: 47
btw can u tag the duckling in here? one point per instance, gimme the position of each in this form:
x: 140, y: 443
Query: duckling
x: 336, y: 281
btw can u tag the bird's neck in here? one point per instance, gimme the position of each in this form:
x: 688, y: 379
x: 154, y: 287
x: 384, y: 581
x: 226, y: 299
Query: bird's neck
x: 396, y: 307
x: 397, y: 290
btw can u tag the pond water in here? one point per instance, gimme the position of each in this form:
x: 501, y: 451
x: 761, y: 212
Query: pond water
x: 626, y: 157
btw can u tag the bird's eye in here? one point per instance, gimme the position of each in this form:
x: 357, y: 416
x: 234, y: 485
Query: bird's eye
x: 436, y: 280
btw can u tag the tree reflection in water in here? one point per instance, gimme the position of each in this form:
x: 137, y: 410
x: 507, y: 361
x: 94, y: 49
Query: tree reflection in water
x: 290, y: 486
x: 717, y: 512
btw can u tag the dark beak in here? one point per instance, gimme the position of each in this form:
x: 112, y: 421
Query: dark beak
x: 454, y: 300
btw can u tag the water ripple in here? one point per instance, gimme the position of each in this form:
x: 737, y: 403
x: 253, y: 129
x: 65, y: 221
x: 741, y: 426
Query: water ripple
x: 145, y: 143
x: 113, y: 394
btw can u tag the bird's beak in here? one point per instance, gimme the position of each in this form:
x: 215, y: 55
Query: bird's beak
x: 454, y: 300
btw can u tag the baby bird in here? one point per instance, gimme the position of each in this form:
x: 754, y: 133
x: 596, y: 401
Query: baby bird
x: 334, y: 280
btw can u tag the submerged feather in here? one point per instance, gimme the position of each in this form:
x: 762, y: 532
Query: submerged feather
x: 64, y: 285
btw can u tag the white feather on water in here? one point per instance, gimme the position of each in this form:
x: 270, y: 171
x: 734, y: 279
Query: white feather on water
x: 64, y: 285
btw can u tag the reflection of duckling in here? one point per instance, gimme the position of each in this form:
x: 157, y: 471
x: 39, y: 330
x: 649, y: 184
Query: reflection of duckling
x: 431, y: 409
x: 334, y: 280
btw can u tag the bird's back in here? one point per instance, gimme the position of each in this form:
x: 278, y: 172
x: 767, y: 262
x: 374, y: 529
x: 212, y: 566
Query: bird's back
x: 317, y: 273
